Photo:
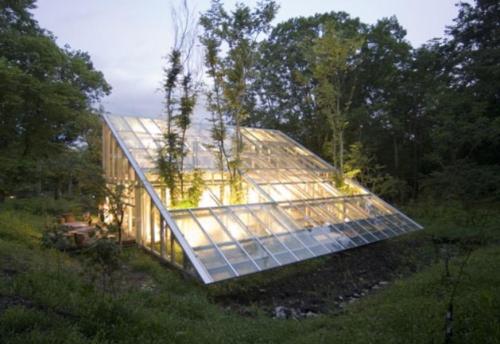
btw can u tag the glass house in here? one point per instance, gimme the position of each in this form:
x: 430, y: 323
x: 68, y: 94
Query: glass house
x: 288, y: 209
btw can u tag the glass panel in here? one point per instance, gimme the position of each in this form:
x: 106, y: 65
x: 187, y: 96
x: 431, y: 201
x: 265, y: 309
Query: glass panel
x: 151, y: 126
x: 148, y: 142
x: 289, y: 241
x: 155, y: 230
x: 234, y: 227
x: 135, y: 125
x: 286, y: 258
x: 221, y: 273
x: 238, y: 259
x: 131, y: 140
x: 119, y: 123
x: 312, y: 217
x: 210, y: 257
x: 253, y: 248
x: 190, y: 229
x: 211, y: 226
x: 178, y: 253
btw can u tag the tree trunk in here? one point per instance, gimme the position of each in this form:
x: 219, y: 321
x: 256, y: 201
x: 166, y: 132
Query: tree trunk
x: 334, y: 149
x: 396, y: 155
x: 181, y: 169
x: 38, y: 178
x: 57, y: 190
x: 70, y: 187
x: 341, y: 154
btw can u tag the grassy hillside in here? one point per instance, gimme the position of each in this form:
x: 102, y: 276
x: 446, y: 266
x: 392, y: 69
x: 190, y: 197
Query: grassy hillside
x: 51, y: 297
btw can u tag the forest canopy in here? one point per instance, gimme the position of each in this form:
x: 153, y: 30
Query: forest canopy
x: 49, y: 124
x: 420, y: 121
x: 407, y: 122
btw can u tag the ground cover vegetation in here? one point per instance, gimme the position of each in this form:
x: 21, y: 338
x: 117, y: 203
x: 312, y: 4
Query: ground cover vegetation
x: 419, y: 126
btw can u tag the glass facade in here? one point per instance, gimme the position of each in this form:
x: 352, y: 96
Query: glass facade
x: 287, y: 209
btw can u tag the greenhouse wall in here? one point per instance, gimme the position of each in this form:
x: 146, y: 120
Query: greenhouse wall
x: 287, y: 208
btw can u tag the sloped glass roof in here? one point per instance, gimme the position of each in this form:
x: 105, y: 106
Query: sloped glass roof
x: 290, y: 209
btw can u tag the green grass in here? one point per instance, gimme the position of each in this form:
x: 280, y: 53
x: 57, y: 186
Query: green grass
x: 47, y: 297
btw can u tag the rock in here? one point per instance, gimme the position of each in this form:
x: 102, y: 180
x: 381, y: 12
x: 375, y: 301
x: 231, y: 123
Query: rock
x: 296, y: 313
x: 356, y: 295
x: 375, y: 287
x: 339, y: 298
x: 281, y: 312
x: 311, y: 314
x: 383, y: 283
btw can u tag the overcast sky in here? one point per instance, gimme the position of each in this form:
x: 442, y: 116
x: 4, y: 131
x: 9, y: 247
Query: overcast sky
x: 128, y: 39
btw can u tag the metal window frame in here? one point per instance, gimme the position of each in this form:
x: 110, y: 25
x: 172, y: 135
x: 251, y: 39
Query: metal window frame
x: 200, y: 268
x: 281, y: 157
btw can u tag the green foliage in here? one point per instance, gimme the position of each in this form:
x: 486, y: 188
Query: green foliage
x: 20, y: 226
x: 104, y: 257
x: 215, y: 102
x: 50, y: 297
x: 53, y: 237
x: 170, y: 161
x: 117, y: 195
x: 195, y: 191
x: 232, y: 73
x: 48, y: 97
x: 170, y: 153
x: 425, y: 113
x: 361, y: 166
x: 333, y: 60
x: 465, y: 181
x: 284, y: 84
x: 44, y: 205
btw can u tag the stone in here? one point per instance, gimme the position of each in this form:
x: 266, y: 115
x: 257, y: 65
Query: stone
x: 281, y: 312
x: 311, y: 314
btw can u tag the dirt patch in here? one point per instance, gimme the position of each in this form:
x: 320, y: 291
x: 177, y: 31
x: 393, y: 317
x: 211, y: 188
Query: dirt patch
x: 337, y: 280
x: 130, y: 279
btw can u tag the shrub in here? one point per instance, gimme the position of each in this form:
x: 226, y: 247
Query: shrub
x: 43, y: 206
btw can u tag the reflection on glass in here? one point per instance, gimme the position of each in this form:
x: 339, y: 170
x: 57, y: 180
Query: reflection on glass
x: 288, y: 207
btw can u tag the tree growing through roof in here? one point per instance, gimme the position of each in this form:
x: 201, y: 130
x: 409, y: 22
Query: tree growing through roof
x: 169, y: 154
x: 215, y: 104
x: 236, y: 33
x: 179, y: 106
x: 333, y: 59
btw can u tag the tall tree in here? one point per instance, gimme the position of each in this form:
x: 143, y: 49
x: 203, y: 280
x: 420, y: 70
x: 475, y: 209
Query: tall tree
x: 215, y: 105
x: 334, y: 62
x: 48, y: 101
x: 284, y: 82
x: 465, y: 130
x: 170, y: 152
x: 179, y: 104
x: 238, y: 32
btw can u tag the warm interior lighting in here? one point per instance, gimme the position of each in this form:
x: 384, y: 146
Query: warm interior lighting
x: 282, y: 215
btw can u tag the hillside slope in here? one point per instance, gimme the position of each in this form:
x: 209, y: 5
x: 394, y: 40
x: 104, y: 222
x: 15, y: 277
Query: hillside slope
x: 51, y: 297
